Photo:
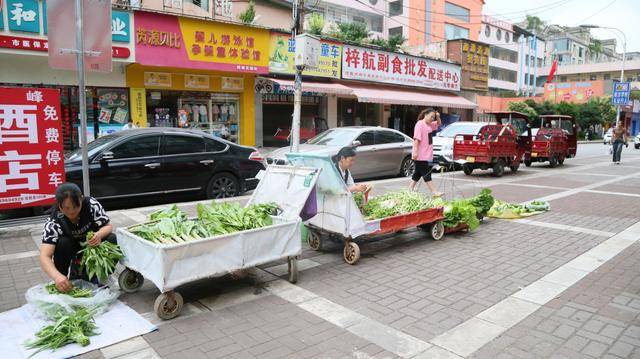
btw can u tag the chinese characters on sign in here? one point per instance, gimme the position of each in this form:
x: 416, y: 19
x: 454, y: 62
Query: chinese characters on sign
x: 23, y: 15
x: 154, y: 37
x: 282, y: 51
x: 224, y: 45
x: 621, y: 93
x: 474, y: 58
x: 31, y: 152
x: 28, y: 44
x: 380, y: 66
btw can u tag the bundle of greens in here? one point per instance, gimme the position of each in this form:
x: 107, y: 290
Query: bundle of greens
x: 500, y: 207
x: 100, y: 261
x: 482, y: 202
x: 537, y: 206
x: 171, y: 226
x: 396, y: 203
x: 76, y: 327
x: 358, y: 197
x: 75, y: 292
x: 460, y: 211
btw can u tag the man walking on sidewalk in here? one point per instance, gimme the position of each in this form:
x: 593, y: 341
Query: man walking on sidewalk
x: 618, y: 138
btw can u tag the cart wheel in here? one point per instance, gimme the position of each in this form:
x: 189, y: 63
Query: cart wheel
x: 130, y: 281
x: 436, y: 230
x: 468, y: 170
x: 293, y: 269
x: 553, y: 161
x: 527, y: 163
x: 498, y: 168
x: 168, y: 305
x: 314, y: 240
x: 515, y: 165
x: 351, y: 253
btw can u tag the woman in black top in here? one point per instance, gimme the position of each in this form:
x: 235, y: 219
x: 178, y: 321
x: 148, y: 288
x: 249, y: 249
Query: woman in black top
x: 73, y: 216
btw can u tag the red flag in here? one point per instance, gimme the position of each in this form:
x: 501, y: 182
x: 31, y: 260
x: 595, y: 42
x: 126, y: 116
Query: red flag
x: 553, y: 70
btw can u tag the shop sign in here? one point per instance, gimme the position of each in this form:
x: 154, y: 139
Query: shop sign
x: 23, y: 15
x: 365, y: 64
x: 31, y: 151
x: 120, y: 26
x: 474, y: 57
x: 138, y: 106
x: 232, y: 84
x: 282, y: 51
x: 288, y: 99
x: 157, y: 79
x: 192, y: 43
x: 575, y: 92
x: 196, y: 81
x: 42, y: 45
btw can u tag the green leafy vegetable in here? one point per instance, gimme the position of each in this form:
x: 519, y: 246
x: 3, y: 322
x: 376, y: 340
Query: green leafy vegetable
x: 482, y: 202
x: 76, y: 327
x: 100, y: 261
x: 461, y: 211
x: 170, y: 226
x: 396, y: 203
x: 75, y: 292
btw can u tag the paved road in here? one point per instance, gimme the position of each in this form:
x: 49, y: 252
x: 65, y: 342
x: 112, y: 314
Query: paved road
x: 564, y: 284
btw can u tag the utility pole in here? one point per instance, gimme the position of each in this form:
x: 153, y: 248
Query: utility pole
x: 298, y: 28
x: 82, y: 97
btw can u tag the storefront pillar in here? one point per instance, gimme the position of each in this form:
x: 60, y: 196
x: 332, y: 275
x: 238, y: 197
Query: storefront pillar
x: 332, y: 111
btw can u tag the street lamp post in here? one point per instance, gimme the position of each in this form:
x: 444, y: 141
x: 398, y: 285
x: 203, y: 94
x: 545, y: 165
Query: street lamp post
x: 624, y: 55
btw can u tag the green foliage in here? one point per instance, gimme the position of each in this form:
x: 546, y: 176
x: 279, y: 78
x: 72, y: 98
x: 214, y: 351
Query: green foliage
x: 249, y: 14
x: 460, y: 211
x: 393, y: 44
x: 635, y: 95
x: 68, y: 328
x: 395, y: 203
x: 75, y: 292
x: 522, y: 107
x: 355, y: 32
x: 100, y: 261
x: 534, y: 23
x: 316, y: 23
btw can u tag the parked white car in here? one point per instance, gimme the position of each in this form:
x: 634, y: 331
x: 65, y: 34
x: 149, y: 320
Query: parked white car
x: 636, y: 141
x: 443, y: 141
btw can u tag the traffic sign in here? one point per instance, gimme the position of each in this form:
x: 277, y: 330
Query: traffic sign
x: 621, y: 92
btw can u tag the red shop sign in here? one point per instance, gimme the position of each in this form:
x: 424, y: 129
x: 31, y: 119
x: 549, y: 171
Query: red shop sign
x: 31, y: 153
x: 42, y: 45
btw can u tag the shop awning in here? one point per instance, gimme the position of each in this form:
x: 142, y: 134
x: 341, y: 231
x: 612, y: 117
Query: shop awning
x: 409, y: 97
x: 318, y: 87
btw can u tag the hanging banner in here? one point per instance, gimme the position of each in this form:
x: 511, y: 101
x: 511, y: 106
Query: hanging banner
x: 365, y: 64
x: 138, y: 98
x: 31, y: 151
x: 281, y: 57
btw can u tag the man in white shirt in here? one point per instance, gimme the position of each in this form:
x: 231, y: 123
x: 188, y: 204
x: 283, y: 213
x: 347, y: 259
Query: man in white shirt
x: 129, y: 125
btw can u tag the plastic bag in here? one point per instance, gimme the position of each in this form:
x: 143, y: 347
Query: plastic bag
x: 538, y: 206
x: 49, y: 304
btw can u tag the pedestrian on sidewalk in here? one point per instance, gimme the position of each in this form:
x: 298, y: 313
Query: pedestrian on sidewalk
x: 618, y: 138
x: 422, y: 151
x: 66, y: 229
x: 344, y: 161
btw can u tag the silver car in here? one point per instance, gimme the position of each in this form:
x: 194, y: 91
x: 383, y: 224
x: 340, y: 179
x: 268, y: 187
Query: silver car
x: 381, y: 151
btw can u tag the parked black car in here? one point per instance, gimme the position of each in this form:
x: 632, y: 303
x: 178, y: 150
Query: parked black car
x: 155, y: 162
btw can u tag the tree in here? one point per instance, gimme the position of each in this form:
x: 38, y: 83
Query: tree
x: 595, y: 47
x: 316, y: 23
x: 522, y: 107
x: 249, y: 15
x: 355, y: 32
x: 534, y: 23
x: 393, y: 44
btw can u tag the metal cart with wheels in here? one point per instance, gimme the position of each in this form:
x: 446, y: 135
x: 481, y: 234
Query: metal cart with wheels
x: 339, y: 219
x: 169, y: 266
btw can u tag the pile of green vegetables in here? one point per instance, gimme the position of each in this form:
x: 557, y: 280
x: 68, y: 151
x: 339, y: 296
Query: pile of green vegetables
x: 482, y: 202
x: 67, y: 328
x: 395, y: 203
x: 100, y: 261
x: 502, y: 209
x: 171, y: 225
x: 75, y: 292
x: 467, y: 211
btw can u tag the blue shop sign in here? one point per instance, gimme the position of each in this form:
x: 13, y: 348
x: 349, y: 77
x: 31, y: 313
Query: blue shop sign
x: 23, y: 15
x: 120, y: 26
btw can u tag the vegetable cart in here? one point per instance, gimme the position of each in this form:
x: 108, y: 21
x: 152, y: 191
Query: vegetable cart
x: 171, y: 265
x: 339, y: 218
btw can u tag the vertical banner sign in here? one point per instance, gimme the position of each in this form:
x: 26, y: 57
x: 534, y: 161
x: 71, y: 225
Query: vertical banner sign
x: 138, y: 98
x: 31, y: 152
x: 97, y: 26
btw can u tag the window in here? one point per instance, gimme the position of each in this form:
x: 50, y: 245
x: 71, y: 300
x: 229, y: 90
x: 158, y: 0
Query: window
x: 452, y: 32
x: 175, y: 145
x: 386, y: 137
x: 504, y: 54
x: 499, y: 34
x: 496, y: 73
x: 373, y: 2
x: 395, y: 8
x: 506, y: 37
x: 376, y: 23
x: 395, y: 31
x: 561, y: 45
x: 359, y: 19
x: 456, y: 11
x: 214, y: 145
x: 146, y: 146
x: 593, y: 77
x: 563, y: 78
x: 366, y: 138
x: 201, y: 3
x: 487, y: 31
x: 580, y: 52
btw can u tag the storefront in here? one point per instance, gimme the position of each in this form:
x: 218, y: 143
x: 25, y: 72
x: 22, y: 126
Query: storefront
x: 275, y: 99
x: 404, y: 86
x: 23, y: 55
x: 196, y: 74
